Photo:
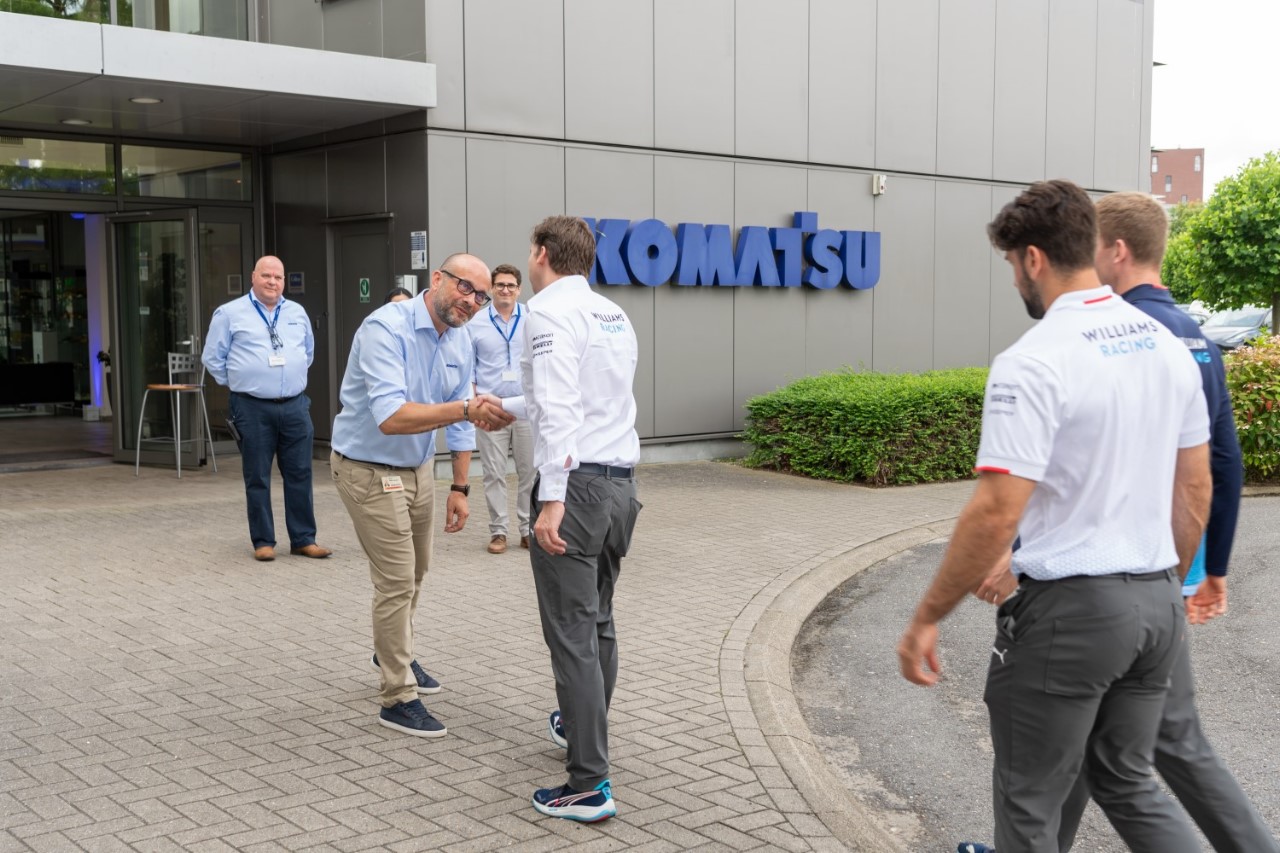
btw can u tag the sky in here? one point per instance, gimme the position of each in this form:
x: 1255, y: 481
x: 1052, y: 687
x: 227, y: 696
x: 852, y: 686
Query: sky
x: 1218, y: 88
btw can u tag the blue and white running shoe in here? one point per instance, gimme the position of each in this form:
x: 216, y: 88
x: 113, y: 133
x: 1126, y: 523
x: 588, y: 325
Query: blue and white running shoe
x: 583, y: 806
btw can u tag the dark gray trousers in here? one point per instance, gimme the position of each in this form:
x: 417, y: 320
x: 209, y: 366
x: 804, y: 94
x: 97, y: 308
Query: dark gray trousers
x: 1080, y: 669
x: 1195, y: 774
x: 575, y: 602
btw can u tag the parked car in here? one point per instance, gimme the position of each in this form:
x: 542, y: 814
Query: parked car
x: 1196, y: 311
x: 1233, y: 328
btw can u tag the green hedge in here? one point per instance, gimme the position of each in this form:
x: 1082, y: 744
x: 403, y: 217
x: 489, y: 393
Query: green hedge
x: 876, y: 428
x: 1253, y: 377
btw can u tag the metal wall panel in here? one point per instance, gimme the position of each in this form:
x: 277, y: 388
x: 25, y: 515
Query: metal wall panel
x: 608, y: 65
x: 446, y: 199
x: 693, y: 345
x: 1022, y: 39
x: 511, y: 186
x: 515, y: 66
x: 693, y: 75
x: 842, y: 82
x: 962, y: 275
x: 357, y: 178
x: 768, y: 322
x: 966, y: 96
x: 904, y: 296
x: 771, y: 94
x: 294, y: 24
x: 445, y: 49
x: 407, y: 193
x: 838, y: 323
x: 1121, y: 151
x: 907, y: 85
x: 404, y: 30
x: 1072, y: 78
x: 353, y: 27
x: 1009, y: 318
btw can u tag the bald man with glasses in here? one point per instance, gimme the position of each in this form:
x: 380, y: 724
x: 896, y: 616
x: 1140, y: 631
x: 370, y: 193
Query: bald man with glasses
x: 409, y: 373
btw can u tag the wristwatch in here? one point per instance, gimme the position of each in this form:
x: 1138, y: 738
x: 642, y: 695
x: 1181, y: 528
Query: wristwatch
x: 466, y: 490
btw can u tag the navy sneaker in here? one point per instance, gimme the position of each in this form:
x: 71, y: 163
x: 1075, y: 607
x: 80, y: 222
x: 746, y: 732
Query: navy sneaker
x: 582, y: 806
x: 412, y: 718
x: 426, y: 684
x: 974, y: 847
x: 555, y: 726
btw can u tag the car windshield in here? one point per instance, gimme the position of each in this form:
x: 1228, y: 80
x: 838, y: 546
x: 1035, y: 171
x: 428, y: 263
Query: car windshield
x: 1244, y: 318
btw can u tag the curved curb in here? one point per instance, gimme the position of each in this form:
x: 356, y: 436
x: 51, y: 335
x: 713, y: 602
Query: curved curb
x: 755, y: 664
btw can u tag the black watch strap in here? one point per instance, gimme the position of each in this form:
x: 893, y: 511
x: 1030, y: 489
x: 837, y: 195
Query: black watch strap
x: 466, y: 490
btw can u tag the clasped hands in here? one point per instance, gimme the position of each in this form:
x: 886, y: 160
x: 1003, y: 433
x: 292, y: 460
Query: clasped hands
x: 487, y: 413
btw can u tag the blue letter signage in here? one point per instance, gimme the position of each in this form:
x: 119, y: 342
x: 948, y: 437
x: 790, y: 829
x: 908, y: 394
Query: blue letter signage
x: 645, y: 252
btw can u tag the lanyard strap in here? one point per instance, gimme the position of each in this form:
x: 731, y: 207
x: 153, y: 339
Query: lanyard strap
x: 276, y: 343
x: 507, y: 336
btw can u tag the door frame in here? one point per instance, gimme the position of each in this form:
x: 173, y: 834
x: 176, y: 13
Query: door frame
x: 187, y: 215
x: 335, y: 371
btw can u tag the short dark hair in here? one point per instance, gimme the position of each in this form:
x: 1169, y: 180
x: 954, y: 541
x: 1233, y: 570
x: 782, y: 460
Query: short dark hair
x: 570, y: 245
x: 1056, y: 217
x: 506, y: 269
x: 1139, y: 220
x: 394, y: 292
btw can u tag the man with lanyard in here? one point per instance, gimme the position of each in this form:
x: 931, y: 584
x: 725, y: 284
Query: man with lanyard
x: 1132, y: 229
x: 1094, y: 450
x: 499, y: 343
x: 578, y: 367
x: 260, y: 347
x: 409, y: 373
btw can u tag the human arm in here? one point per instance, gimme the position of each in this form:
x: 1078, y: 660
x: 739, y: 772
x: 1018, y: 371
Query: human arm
x: 983, y: 536
x: 515, y: 406
x: 216, y: 345
x: 554, y: 349
x: 999, y: 583
x: 456, y: 509
x: 1192, y: 492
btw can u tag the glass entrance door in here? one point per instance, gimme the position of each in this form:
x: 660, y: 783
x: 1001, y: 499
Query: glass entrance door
x: 155, y: 268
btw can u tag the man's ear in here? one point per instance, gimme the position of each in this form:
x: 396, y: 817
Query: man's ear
x: 1034, y: 261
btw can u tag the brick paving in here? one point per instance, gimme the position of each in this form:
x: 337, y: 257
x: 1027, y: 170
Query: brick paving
x: 160, y: 690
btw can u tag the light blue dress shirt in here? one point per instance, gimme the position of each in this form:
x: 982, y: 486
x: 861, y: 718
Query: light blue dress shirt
x: 498, y: 344
x: 238, y: 350
x: 396, y: 358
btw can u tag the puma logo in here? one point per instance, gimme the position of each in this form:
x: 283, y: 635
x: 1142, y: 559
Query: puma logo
x: 999, y: 654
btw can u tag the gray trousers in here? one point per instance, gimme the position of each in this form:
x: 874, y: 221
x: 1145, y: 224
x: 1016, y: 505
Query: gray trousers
x: 575, y: 602
x: 1195, y: 774
x: 1080, y: 669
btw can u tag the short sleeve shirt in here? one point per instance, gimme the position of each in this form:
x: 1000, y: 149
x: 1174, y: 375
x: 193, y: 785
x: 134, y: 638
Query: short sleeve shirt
x: 1093, y: 404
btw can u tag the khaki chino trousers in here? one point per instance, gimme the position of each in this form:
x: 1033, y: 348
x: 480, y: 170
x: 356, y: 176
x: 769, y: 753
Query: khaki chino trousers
x: 394, y: 523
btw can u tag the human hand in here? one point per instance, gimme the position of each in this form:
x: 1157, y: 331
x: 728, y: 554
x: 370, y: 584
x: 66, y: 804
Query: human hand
x: 1209, y: 602
x: 487, y: 413
x: 547, y: 528
x: 999, y: 583
x: 455, y: 512
x: 919, y: 642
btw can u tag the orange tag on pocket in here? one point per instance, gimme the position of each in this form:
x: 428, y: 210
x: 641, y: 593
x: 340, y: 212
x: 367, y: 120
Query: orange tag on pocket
x: 392, y: 484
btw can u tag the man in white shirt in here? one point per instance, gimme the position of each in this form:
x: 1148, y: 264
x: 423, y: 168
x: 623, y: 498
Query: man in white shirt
x: 499, y: 342
x: 1095, y: 451
x: 578, y: 366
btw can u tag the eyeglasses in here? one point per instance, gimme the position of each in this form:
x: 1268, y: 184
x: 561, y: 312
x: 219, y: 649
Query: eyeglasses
x: 507, y: 285
x: 466, y: 288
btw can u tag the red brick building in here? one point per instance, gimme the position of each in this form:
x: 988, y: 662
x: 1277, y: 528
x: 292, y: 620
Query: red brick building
x: 1177, y: 174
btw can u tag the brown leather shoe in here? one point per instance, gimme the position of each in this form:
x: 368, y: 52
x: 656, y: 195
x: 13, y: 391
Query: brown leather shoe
x: 265, y: 554
x: 524, y: 542
x: 498, y: 544
x: 313, y: 551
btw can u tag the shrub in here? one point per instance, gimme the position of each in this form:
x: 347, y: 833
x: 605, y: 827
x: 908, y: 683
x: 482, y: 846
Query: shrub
x: 1253, y: 377
x: 876, y: 428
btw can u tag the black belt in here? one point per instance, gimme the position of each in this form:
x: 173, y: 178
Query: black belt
x: 1159, y: 574
x: 374, y: 464
x: 613, y: 472
x: 269, y: 399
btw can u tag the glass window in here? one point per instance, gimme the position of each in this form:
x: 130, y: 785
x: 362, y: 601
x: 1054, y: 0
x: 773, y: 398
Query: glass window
x: 184, y: 173
x: 1197, y: 162
x: 76, y: 10
x: 222, y: 18
x: 1155, y: 164
x: 56, y: 165
x: 1168, y: 183
x: 1184, y: 198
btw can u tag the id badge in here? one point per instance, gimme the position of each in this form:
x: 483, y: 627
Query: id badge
x: 509, y: 376
x: 276, y: 361
x: 392, y: 484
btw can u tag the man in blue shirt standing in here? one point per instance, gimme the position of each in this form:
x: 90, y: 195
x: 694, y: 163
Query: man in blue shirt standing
x: 260, y: 346
x: 409, y: 373
x: 499, y: 343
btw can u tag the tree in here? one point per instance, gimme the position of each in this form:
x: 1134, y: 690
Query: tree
x: 1177, y: 273
x: 1234, y: 251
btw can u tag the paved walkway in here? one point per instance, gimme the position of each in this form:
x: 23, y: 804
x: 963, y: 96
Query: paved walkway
x: 159, y: 690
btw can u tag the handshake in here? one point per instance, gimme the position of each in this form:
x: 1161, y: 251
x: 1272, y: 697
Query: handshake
x: 486, y: 412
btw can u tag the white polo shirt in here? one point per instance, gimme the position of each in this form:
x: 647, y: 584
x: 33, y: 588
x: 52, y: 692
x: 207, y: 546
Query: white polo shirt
x: 1093, y: 404
x: 577, y: 369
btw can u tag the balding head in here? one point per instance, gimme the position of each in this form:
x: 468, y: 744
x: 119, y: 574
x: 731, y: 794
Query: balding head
x: 268, y: 280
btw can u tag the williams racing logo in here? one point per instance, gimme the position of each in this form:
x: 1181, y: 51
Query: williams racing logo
x: 1123, y: 338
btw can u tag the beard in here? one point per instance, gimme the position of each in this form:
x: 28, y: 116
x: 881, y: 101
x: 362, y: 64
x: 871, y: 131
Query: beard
x: 451, y: 314
x: 1027, y: 290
